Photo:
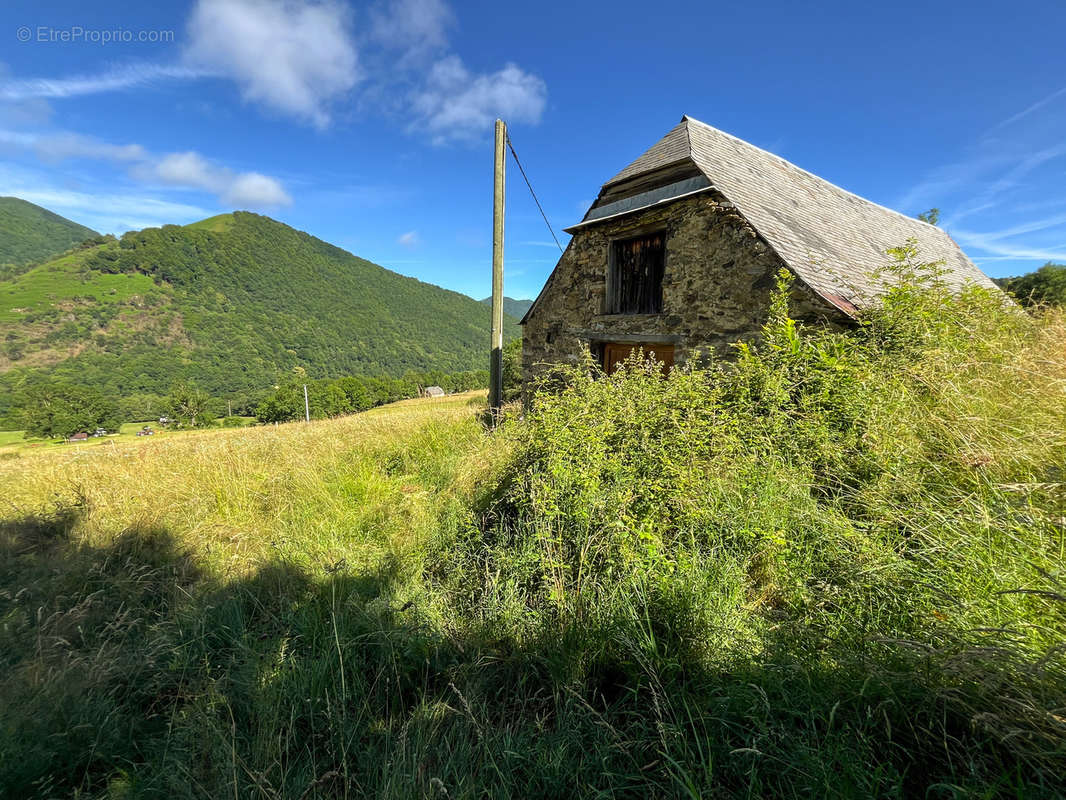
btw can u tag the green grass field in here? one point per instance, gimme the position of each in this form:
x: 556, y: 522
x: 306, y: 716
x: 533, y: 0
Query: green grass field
x: 216, y: 224
x: 833, y: 567
x: 59, y: 282
x: 15, y: 442
x: 11, y: 438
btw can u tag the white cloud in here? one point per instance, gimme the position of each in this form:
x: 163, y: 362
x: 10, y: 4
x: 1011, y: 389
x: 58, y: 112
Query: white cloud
x: 416, y: 27
x: 409, y: 239
x: 295, y: 57
x: 457, y: 104
x: 190, y: 170
x: 302, y: 58
x: 253, y: 190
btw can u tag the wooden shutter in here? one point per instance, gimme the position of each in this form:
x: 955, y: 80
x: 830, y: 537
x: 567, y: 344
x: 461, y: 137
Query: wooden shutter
x: 637, y: 275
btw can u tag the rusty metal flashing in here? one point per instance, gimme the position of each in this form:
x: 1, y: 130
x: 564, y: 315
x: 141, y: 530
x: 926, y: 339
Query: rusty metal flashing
x: 840, y: 302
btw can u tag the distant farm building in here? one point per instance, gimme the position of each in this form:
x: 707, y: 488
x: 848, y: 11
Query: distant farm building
x: 434, y: 391
x: 680, y: 250
x: 78, y: 437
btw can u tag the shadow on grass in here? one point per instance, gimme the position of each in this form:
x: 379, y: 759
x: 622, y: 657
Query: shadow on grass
x: 129, y: 670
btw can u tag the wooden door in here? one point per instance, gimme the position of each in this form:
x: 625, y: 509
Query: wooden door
x: 614, y: 353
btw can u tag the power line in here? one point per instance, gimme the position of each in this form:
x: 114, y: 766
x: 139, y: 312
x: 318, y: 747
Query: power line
x: 535, y: 200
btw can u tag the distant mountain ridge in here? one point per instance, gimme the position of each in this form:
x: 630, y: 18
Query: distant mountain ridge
x: 29, y: 233
x: 233, y: 303
x: 512, y: 307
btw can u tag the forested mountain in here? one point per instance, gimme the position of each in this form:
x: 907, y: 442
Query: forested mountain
x: 233, y: 303
x: 29, y: 233
x: 511, y: 307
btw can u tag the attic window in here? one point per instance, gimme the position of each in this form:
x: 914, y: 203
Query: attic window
x: 635, y: 275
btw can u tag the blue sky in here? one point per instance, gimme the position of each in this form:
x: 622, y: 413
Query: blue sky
x: 370, y: 124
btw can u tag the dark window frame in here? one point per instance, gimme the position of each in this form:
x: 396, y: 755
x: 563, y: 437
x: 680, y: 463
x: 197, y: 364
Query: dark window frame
x: 641, y: 290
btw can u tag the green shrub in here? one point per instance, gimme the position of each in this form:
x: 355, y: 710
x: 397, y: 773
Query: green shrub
x: 861, y: 533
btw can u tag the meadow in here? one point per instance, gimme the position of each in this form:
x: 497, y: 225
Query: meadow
x: 65, y: 281
x: 832, y: 566
x: 14, y: 443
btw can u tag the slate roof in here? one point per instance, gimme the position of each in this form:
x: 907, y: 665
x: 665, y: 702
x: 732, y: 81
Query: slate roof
x: 832, y: 239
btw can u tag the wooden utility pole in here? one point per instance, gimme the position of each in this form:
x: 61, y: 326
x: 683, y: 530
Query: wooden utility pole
x: 307, y: 406
x: 498, y: 196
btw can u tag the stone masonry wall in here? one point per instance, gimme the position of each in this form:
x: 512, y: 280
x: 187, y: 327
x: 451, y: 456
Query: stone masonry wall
x: 716, y: 287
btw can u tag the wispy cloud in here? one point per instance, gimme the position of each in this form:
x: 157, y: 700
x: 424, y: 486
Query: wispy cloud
x: 110, y: 211
x: 1010, y: 172
x: 994, y: 243
x: 187, y: 170
x: 409, y: 239
x: 1033, y: 226
x: 129, y: 76
x: 992, y: 190
x: 1025, y: 112
x: 62, y: 146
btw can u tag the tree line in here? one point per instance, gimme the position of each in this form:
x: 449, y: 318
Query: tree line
x: 60, y: 409
x: 348, y: 395
x: 1043, y: 287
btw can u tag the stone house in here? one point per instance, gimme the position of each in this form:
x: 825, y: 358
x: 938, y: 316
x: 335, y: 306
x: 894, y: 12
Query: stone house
x: 679, y: 253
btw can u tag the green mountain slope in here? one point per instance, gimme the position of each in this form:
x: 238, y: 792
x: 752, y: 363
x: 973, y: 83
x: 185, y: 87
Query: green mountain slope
x: 511, y: 307
x: 29, y: 233
x: 233, y: 303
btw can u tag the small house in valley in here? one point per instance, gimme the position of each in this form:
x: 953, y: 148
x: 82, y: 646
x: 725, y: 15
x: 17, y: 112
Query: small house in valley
x: 434, y: 391
x: 680, y: 251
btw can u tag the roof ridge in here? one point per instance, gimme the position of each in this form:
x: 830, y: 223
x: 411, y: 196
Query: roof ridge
x: 833, y: 239
x: 687, y: 118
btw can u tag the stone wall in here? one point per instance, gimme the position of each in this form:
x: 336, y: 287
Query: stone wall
x: 718, y: 277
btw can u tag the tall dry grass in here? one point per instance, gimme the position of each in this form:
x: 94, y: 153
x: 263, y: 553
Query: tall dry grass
x: 308, y: 493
